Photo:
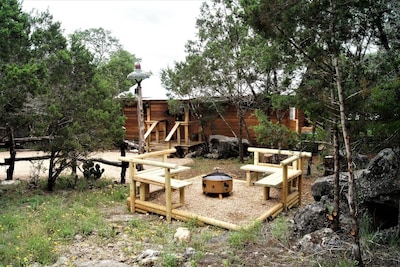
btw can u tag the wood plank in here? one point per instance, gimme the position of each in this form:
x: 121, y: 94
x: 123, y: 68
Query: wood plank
x: 149, y: 162
x: 261, y: 168
x: 171, y: 133
x: 151, y: 128
x: 276, y: 179
x: 160, y: 171
x: 160, y: 181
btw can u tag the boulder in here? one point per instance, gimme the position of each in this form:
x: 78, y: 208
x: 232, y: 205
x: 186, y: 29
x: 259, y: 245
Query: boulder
x: 377, y: 188
x: 311, y: 217
x: 224, y: 147
x: 182, y: 234
x: 380, y: 182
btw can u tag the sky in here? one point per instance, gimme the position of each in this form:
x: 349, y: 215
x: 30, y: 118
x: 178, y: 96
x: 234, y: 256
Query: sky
x: 155, y: 31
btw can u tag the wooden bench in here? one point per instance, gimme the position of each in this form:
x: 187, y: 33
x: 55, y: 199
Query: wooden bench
x: 149, y: 178
x: 256, y: 169
x: 281, y: 175
x: 175, y: 173
x: 160, y: 173
x: 275, y: 180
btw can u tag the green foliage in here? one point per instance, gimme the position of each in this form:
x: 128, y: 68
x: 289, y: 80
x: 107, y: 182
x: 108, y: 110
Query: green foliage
x: 176, y: 107
x: 33, y: 224
x: 113, y: 72
x: 280, y: 229
x: 239, y: 239
x: 169, y: 260
x: 274, y: 135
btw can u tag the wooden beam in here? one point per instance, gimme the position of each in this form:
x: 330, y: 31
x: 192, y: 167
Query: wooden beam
x: 150, y: 162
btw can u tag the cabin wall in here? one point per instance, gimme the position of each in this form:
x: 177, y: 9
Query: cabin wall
x: 159, y: 112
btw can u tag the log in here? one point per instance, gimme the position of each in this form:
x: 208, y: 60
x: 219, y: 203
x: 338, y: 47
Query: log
x: 149, y: 162
x: 104, y: 161
x: 184, y: 215
x: 272, y: 212
x: 7, y: 160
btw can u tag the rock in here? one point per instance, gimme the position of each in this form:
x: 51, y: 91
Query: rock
x: 148, y: 257
x: 381, y: 181
x: 312, y: 217
x: 189, y: 253
x: 224, y: 147
x: 377, y: 188
x: 182, y: 234
x: 9, y: 182
x: 78, y: 237
x: 324, y: 187
x: 101, y: 263
x: 319, y: 240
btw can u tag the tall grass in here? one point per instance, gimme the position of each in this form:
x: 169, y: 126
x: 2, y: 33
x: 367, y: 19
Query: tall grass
x: 33, y: 222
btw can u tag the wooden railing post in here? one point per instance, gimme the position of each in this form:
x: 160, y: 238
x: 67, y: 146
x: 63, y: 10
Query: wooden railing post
x: 284, y: 185
x: 132, y: 186
x: 168, y: 194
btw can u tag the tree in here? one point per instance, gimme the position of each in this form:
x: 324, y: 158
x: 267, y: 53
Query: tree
x: 320, y: 34
x: 80, y: 115
x: 114, y: 71
x: 21, y: 74
x: 225, y: 61
x: 99, y: 42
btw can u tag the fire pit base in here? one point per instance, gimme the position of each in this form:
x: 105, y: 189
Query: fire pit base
x: 217, y: 183
x: 220, y: 195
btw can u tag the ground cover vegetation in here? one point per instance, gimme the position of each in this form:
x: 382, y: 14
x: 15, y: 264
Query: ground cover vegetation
x: 338, y: 61
x: 39, y: 227
x: 334, y: 59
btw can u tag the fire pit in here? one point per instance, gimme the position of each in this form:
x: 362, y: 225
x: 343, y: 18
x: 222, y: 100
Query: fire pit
x: 217, y: 183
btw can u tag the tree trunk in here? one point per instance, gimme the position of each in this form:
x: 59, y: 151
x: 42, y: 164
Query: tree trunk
x: 240, y: 137
x: 13, y: 152
x: 51, y: 180
x: 224, y: 120
x: 124, y: 164
x: 336, y: 186
x: 353, y: 213
x: 336, y: 169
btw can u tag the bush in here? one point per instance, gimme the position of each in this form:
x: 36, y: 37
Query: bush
x: 274, y: 135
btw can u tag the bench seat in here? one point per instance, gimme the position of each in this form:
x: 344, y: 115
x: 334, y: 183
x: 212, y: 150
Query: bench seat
x: 149, y: 178
x: 275, y: 180
x: 260, y: 168
x: 161, y: 171
x: 256, y: 169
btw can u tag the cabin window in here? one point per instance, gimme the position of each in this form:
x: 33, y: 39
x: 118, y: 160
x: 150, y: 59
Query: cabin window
x: 292, y: 113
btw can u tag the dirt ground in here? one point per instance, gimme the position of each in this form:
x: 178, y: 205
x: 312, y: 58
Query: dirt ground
x: 24, y: 169
x: 242, y: 206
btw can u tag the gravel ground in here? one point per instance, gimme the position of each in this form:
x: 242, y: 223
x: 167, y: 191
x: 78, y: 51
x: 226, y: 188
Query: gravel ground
x: 23, y: 169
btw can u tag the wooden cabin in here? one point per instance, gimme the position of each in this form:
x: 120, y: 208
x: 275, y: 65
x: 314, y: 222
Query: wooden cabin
x: 162, y: 127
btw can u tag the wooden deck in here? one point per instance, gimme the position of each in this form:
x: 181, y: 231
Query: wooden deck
x: 181, y: 148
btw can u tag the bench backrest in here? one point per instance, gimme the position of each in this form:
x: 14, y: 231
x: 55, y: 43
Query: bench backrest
x: 294, y: 159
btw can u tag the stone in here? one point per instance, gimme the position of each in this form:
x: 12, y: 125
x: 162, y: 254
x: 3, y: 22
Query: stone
x: 224, y: 147
x: 148, y: 257
x: 319, y: 240
x: 182, y: 234
x: 311, y: 217
x: 101, y: 263
x: 10, y: 182
x: 377, y: 188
